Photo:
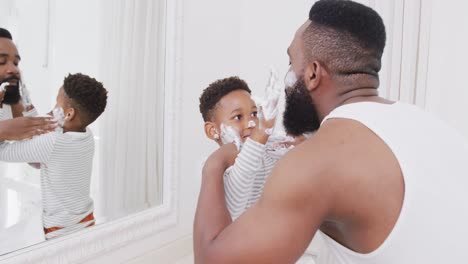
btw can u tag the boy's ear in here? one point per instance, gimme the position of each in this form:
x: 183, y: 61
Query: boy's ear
x: 70, y: 114
x: 211, y: 131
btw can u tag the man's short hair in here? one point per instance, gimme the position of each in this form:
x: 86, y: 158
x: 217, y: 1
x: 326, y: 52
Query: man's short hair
x: 87, y: 95
x: 217, y: 90
x: 5, y: 34
x: 348, y: 36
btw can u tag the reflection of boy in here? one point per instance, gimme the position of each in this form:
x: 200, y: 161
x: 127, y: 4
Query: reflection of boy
x: 65, y: 157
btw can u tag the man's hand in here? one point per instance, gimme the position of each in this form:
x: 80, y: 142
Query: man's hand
x: 222, y: 158
x: 17, y: 109
x: 25, y: 127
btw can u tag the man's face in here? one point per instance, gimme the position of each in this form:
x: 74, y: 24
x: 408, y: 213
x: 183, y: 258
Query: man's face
x: 300, y: 115
x: 9, y: 72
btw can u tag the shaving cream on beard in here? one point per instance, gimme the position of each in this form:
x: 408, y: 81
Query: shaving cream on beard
x: 3, y: 86
x: 290, y: 79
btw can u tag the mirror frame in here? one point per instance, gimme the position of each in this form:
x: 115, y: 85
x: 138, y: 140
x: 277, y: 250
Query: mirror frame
x: 106, y: 237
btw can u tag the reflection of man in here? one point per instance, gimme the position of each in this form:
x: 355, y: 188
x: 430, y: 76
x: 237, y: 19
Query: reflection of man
x: 383, y: 181
x: 22, y: 127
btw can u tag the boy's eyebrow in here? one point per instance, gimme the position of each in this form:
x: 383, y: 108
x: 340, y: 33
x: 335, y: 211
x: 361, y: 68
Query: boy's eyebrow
x: 239, y: 109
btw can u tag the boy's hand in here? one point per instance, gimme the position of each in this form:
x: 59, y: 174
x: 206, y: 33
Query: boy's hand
x: 269, y: 105
x: 25, y: 127
x: 268, y: 109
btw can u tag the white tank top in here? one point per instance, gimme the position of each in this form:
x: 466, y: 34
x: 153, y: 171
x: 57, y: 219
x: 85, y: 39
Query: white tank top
x: 433, y: 223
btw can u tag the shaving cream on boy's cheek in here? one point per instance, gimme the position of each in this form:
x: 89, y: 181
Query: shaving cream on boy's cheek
x: 230, y: 135
x: 59, y: 116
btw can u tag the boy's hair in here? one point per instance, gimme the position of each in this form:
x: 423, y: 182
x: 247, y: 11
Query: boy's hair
x: 87, y: 95
x: 216, y: 90
x: 4, y: 33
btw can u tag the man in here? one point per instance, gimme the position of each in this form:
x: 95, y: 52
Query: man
x: 21, y: 127
x: 383, y: 182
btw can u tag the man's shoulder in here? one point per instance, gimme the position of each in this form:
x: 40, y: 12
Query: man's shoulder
x: 330, y: 154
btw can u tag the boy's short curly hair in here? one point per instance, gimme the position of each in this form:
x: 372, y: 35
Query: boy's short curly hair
x: 215, y: 91
x: 87, y: 95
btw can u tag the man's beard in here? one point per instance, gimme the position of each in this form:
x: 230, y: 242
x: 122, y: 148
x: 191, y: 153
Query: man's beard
x: 300, y: 115
x: 12, y: 93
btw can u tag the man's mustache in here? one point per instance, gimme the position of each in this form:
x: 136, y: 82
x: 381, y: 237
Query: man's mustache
x: 10, y: 78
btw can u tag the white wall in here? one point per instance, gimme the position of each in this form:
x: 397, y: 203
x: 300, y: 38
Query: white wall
x: 447, y: 87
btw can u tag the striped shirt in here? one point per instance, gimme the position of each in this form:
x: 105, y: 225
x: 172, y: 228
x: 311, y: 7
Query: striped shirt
x: 244, y: 181
x: 66, y: 165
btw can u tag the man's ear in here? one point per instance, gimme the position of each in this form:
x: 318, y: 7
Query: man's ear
x: 313, y: 75
x: 211, y: 131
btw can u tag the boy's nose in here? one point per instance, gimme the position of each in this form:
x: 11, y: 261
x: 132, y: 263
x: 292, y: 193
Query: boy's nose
x: 251, y: 124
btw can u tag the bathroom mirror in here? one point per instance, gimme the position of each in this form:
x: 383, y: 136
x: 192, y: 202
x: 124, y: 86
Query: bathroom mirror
x: 131, y: 47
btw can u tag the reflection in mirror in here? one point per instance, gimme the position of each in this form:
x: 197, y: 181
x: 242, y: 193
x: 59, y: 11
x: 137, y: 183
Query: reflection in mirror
x: 121, y: 44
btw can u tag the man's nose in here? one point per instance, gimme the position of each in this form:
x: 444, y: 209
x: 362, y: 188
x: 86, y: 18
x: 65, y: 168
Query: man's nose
x: 12, y: 69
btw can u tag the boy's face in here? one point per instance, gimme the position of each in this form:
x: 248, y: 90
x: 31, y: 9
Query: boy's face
x: 63, y: 102
x: 236, y: 109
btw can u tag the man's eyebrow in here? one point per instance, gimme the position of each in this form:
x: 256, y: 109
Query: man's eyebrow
x: 287, y: 51
x: 5, y: 55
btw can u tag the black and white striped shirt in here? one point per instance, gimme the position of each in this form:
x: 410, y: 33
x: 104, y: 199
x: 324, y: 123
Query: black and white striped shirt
x: 66, y: 165
x: 244, y: 181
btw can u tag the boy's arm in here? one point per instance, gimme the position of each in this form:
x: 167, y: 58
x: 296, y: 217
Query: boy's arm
x: 239, y: 179
x: 37, y: 149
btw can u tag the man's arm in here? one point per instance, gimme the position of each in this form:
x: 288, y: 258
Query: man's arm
x: 25, y: 127
x: 278, y: 228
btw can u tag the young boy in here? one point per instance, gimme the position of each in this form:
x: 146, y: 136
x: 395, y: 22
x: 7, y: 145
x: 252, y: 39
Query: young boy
x: 229, y: 112
x: 65, y: 156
